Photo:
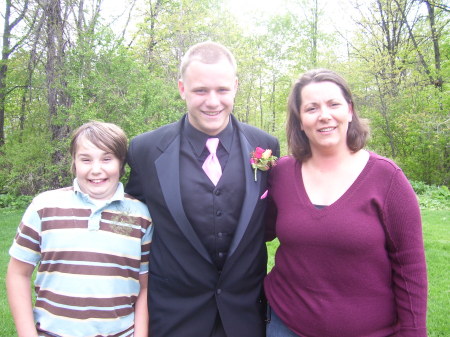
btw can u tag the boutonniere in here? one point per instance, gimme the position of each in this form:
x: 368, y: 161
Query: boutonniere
x: 262, y: 160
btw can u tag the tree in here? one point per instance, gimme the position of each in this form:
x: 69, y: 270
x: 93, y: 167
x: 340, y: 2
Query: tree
x: 8, y: 49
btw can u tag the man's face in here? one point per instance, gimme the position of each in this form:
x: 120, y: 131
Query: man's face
x: 209, y: 91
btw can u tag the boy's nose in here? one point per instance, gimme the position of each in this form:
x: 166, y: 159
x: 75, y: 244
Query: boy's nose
x: 96, y: 167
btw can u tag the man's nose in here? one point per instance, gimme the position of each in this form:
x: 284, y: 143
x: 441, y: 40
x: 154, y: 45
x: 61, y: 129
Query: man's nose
x: 213, y: 99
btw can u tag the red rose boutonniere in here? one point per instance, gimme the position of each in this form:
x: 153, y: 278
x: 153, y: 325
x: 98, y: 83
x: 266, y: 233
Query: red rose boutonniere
x: 262, y: 160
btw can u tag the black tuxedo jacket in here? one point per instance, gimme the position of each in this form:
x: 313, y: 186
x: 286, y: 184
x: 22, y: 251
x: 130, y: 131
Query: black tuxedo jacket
x: 185, y: 288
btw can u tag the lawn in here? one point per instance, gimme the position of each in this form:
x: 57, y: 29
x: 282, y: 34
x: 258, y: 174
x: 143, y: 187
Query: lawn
x: 437, y: 247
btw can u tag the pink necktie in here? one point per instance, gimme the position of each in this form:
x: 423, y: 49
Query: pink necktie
x: 211, y: 166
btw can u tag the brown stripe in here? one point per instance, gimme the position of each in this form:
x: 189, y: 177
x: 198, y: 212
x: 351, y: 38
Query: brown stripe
x: 63, y: 224
x: 125, y: 331
x: 121, y: 229
x: 27, y: 230
x: 84, y: 314
x: 88, y: 301
x: 90, y: 257
x: 67, y: 212
x: 88, y: 270
x: 126, y: 218
x: 28, y: 244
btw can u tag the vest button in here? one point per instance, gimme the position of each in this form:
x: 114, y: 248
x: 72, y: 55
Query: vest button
x: 217, y: 192
x: 219, y: 213
x: 218, y: 291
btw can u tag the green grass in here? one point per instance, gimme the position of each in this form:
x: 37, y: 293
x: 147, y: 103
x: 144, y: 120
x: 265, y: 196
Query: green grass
x: 436, y: 231
x: 8, y: 226
x: 437, y: 248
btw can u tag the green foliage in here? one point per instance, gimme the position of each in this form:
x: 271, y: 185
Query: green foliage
x: 134, y: 83
x: 26, y: 166
x: 432, y: 197
x: 9, y: 201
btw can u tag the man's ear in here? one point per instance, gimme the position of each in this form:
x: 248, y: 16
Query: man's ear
x: 181, y: 88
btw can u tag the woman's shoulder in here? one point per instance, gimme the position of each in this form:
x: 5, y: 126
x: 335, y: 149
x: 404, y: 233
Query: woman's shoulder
x: 383, y: 163
x: 286, y: 160
x: 285, y: 166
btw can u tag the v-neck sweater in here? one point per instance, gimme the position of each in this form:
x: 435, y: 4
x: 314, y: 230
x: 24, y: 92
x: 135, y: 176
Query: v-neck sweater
x: 353, y: 268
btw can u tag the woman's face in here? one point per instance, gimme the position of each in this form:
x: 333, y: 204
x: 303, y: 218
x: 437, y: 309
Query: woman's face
x: 324, y: 115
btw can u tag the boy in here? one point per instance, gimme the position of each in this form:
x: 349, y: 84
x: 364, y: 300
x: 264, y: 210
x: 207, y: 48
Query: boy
x: 90, y: 242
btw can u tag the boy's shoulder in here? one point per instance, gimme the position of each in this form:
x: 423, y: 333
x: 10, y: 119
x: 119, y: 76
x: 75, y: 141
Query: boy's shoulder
x: 53, y: 196
x: 137, y: 205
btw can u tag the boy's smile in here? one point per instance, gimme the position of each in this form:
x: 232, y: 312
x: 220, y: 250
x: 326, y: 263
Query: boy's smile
x: 97, y: 170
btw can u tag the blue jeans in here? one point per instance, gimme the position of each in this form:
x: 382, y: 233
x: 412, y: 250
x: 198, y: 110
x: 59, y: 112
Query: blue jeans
x: 275, y: 326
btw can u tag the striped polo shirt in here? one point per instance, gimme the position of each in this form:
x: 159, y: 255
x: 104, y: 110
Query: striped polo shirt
x: 89, y: 257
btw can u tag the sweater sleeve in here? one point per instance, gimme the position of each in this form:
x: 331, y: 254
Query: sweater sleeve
x: 271, y: 211
x: 403, y: 227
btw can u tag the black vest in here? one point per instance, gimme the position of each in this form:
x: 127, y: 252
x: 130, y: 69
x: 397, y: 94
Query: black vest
x: 213, y: 211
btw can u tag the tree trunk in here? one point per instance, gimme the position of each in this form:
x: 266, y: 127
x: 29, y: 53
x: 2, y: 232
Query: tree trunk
x: 6, y: 52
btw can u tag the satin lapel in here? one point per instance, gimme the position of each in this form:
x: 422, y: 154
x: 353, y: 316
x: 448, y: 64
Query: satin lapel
x: 167, y: 168
x: 251, y: 194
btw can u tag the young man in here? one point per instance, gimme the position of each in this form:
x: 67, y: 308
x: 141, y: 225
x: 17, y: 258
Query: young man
x: 208, y: 252
x: 91, y: 242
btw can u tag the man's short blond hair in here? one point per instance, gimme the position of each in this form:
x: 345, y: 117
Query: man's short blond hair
x: 207, y: 52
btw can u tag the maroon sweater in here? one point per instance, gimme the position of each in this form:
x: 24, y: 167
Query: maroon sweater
x: 354, y: 268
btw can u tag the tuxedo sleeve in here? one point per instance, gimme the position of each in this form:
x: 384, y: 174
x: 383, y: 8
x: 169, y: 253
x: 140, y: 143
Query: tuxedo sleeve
x: 134, y: 184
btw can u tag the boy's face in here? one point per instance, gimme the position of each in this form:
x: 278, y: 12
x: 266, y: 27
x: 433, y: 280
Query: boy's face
x: 97, y: 170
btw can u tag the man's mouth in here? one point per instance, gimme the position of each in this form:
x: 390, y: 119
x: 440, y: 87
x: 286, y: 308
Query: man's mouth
x: 212, y: 113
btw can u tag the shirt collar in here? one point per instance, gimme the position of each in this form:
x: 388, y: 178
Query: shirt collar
x: 118, y: 195
x: 198, y: 139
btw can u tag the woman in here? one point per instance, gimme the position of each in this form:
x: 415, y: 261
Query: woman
x: 351, y: 259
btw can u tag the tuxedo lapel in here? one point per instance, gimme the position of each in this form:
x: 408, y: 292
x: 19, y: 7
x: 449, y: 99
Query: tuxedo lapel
x: 252, y: 188
x: 168, y: 171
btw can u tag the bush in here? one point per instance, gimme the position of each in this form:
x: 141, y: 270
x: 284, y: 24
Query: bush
x: 431, y: 196
x: 8, y: 201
